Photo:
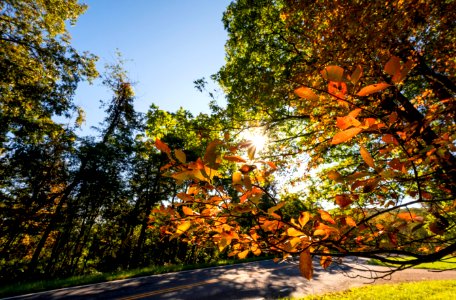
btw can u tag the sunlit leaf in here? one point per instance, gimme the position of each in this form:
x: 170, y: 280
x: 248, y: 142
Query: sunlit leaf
x: 237, y: 177
x: 350, y: 221
x: 306, y: 93
x: 304, y: 217
x: 293, y: 232
x: 162, y: 146
x: 295, y: 241
x: 374, y: 88
x: 180, y: 155
x: 276, y: 207
x: 243, y: 254
x: 325, y: 216
x: 188, y: 211
x: 367, y: 157
x: 345, y: 135
x: 305, y: 264
x: 333, y: 73
x: 183, y: 227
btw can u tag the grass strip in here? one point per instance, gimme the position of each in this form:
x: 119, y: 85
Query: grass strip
x: 447, y: 263
x: 429, y: 290
x: 21, y: 288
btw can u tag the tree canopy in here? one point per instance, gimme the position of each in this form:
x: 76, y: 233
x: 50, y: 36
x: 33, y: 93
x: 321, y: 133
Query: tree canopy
x: 359, y: 94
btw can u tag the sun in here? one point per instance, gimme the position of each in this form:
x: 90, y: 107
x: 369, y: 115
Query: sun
x: 256, y: 137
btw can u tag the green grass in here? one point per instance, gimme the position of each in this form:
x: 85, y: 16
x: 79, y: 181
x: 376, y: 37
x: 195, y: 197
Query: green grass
x: 447, y: 264
x: 44, y: 285
x: 429, y: 290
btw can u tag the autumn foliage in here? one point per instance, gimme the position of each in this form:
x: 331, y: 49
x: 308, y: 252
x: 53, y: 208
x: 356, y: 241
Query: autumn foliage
x: 376, y: 125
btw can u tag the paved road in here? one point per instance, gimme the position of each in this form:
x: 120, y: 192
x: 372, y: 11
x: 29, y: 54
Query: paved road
x: 257, y: 280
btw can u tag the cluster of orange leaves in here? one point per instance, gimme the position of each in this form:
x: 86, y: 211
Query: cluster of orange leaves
x: 207, y: 212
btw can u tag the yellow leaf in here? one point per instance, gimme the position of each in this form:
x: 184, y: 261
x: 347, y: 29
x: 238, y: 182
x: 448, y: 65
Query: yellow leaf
x: 276, y: 207
x: 305, y: 264
x: 243, y: 254
x: 345, y: 135
x: 373, y: 88
x: 304, y: 218
x: 367, y: 157
x: 306, y: 93
x: 188, y: 211
x: 293, y: 232
x: 256, y: 252
x: 183, y: 227
x: 180, y: 155
x: 295, y: 241
x: 333, y: 73
x: 237, y: 178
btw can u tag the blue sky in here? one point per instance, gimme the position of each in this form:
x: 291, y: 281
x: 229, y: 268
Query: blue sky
x: 167, y: 44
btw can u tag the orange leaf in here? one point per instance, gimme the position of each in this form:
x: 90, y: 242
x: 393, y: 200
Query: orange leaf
x: 393, y: 66
x: 350, y: 221
x: 346, y: 122
x: 410, y: 217
x: 188, y: 211
x: 343, y: 200
x: 243, y: 254
x: 366, y: 156
x: 305, y: 264
x: 162, y: 146
x: 354, y: 113
x: 306, y: 93
x: 345, y: 135
x: 234, y: 158
x: 184, y: 197
x: 356, y: 75
x: 334, y: 175
x: 390, y: 139
x: 325, y: 261
x: 333, y: 73
x: 373, y: 88
x: 399, y: 76
x: 325, y: 216
x: 180, y: 155
x: 304, y: 218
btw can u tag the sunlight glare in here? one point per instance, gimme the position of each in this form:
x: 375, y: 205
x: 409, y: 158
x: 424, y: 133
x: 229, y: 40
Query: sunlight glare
x: 256, y: 137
